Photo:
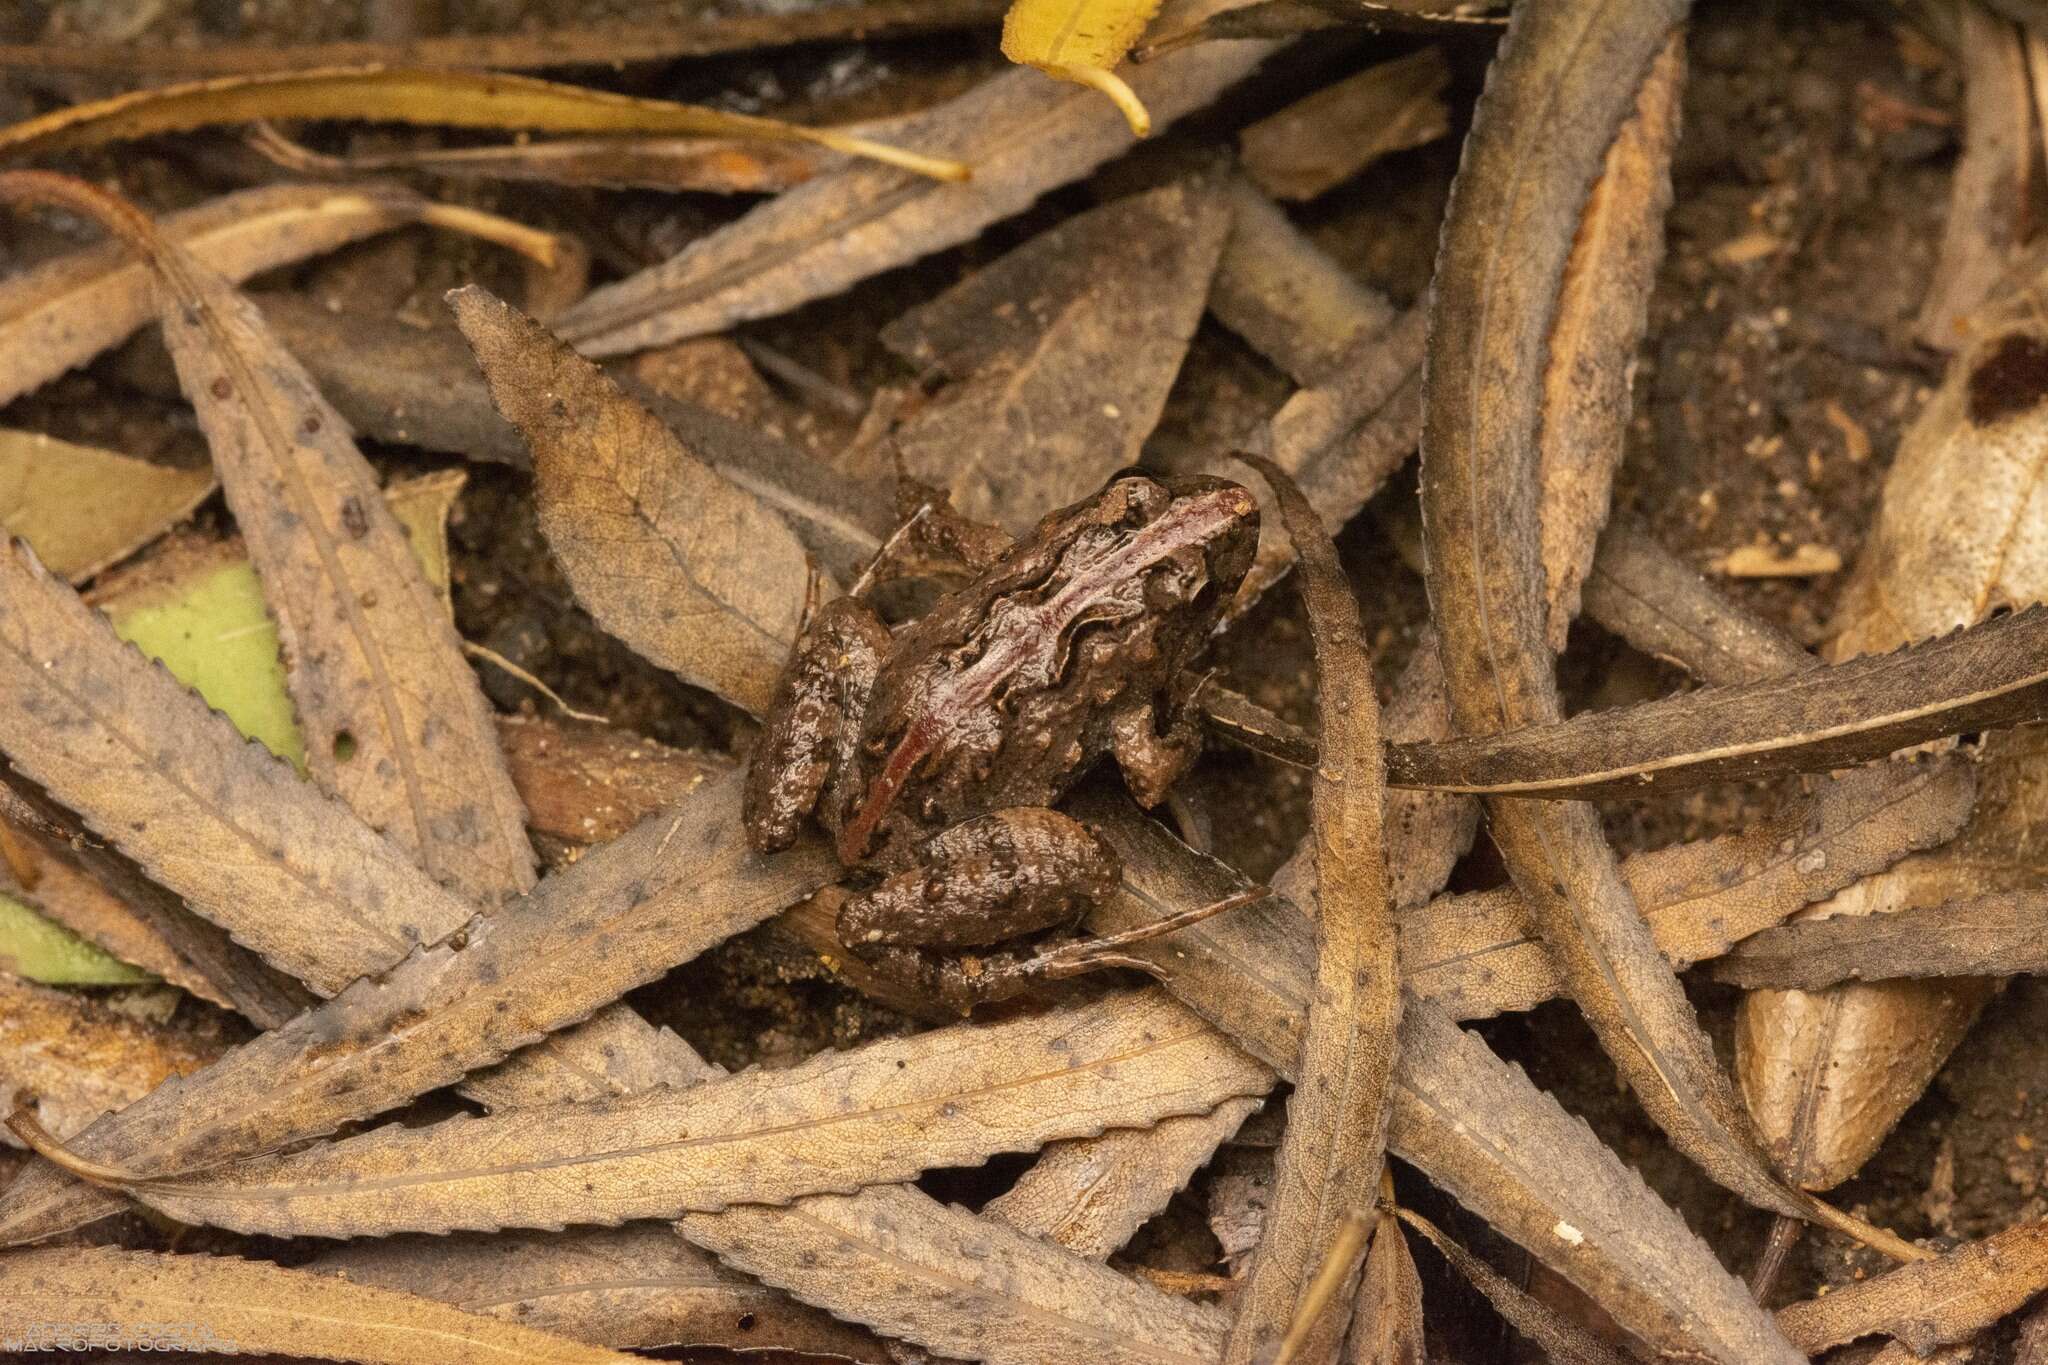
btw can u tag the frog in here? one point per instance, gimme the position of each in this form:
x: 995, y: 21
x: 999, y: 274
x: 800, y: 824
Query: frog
x: 935, y: 752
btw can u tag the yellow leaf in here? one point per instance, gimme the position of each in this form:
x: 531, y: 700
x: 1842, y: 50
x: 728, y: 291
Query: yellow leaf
x: 1082, y: 41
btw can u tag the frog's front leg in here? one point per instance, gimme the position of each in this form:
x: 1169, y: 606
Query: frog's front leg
x: 998, y: 876
x: 1153, y: 761
x: 813, y: 722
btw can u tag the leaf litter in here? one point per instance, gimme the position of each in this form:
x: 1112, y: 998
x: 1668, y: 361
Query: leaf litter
x: 984, y: 1285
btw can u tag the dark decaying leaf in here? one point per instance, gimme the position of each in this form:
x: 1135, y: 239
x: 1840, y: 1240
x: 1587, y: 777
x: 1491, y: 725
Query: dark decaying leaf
x: 876, y: 1115
x: 1978, y: 678
x: 1330, y: 1157
x: 1093, y: 318
x: 1998, y: 935
x: 221, y: 1304
x: 670, y: 557
x: 1024, y: 135
x: 1930, y: 1303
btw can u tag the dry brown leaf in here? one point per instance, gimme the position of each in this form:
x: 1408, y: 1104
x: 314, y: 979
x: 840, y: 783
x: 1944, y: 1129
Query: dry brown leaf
x: 1563, y: 1341
x: 393, y: 718
x: 1931, y: 1303
x: 1094, y: 317
x: 1328, y: 1168
x: 2000, y: 935
x: 1509, y: 235
x: 1978, y: 678
x: 638, y: 1286
x: 1479, y: 954
x: 1324, y: 139
x: 1472, y: 1123
x: 217, y: 1303
x: 879, y: 1114
x: 1961, y: 533
x: 81, y: 509
x: 73, y: 1055
x: 1023, y: 134
x: 1988, y: 212
x: 68, y: 310
x: 466, y: 99
x: 1387, y: 1328
x: 672, y: 559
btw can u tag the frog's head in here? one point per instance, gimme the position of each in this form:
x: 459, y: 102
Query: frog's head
x: 1191, y: 538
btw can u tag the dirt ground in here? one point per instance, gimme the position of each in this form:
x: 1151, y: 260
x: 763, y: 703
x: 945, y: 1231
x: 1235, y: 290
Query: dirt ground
x: 1779, y: 372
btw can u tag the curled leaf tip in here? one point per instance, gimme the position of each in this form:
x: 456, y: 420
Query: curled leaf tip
x: 1082, y: 41
x: 45, y: 1144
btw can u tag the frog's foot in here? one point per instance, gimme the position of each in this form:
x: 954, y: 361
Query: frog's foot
x: 1152, y: 762
x: 812, y: 723
x: 959, y: 982
x: 998, y: 876
x: 933, y: 541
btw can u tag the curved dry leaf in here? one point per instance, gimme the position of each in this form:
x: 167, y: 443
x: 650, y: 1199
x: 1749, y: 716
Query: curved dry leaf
x: 638, y: 1286
x: 66, y: 311
x: 1096, y: 315
x: 2001, y: 935
x: 465, y: 99
x: 1023, y: 135
x: 1978, y: 678
x: 1329, y: 1164
x: 1930, y: 1303
x: 1471, y: 1122
x: 1479, y: 954
x: 81, y: 509
x: 1962, y: 531
x: 673, y: 560
x: 1514, y: 215
x: 876, y: 1115
x: 218, y: 1303
x: 72, y: 1055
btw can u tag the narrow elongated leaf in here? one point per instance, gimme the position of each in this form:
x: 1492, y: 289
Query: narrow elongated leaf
x: 37, y: 948
x: 1077, y: 389
x: 1387, y: 1328
x: 1978, y: 678
x: 467, y: 99
x: 1023, y: 135
x: 879, y: 1114
x: 2000, y: 935
x: 638, y: 1286
x: 1932, y: 1303
x: 217, y: 1303
x: 688, y: 570
x: 1328, y: 1168
x: 1323, y: 139
x: 1562, y: 1340
x: 82, y: 509
x: 1508, y: 239
x: 66, y: 311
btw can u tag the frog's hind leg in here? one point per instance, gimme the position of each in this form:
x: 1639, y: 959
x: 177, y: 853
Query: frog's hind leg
x: 997, y: 876
x: 808, y: 734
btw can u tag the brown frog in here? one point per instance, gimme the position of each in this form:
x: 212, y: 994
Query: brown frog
x: 933, y: 753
